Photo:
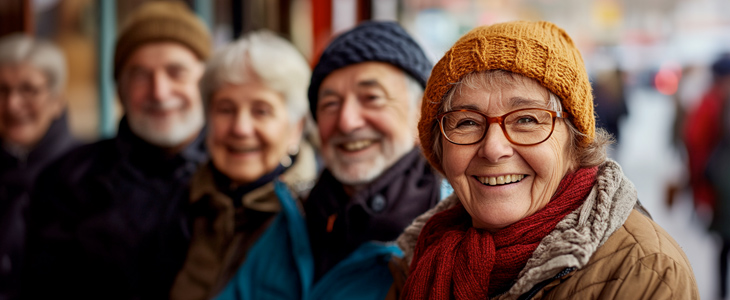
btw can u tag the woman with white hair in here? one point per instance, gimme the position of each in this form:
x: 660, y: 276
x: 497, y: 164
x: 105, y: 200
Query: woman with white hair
x: 254, y: 92
x: 33, y: 132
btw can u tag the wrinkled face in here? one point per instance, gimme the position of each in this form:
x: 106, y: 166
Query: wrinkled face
x: 27, y: 105
x: 538, y: 169
x: 159, y: 91
x: 366, y: 119
x: 249, y: 131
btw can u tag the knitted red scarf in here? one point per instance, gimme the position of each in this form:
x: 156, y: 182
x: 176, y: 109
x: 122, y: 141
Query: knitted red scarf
x: 453, y: 260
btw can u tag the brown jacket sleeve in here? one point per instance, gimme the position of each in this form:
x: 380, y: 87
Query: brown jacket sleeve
x: 399, y: 269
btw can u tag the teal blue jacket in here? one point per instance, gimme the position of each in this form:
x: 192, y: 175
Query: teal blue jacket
x: 281, y: 266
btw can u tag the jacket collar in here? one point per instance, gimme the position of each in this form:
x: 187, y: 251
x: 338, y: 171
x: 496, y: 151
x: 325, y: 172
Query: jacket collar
x: 378, y: 211
x: 339, y: 223
x: 56, y: 140
x: 22, y: 168
x: 573, y: 241
x: 329, y: 184
x: 299, y: 178
x: 144, y: 154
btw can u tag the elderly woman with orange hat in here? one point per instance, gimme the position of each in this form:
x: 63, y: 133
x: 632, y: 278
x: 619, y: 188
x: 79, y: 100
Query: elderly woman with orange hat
x: 538, y: 210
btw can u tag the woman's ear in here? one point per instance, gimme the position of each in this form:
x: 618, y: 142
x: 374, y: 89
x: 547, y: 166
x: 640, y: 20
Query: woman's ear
x: 416, y: 118
x: 57, y: 105
x: 296, y: 137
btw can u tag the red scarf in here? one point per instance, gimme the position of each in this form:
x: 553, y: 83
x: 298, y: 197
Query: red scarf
x: 453, y: 260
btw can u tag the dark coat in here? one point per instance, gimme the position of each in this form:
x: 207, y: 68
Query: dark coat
x: 103, y: 224
x: 338, y: 224
x: 17, y: 175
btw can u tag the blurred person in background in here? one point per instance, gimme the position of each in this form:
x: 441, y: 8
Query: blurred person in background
x: 33, y: 132
x: 707, y: 138
x: 102, y: 222
x: 610, y: 101
x: 702, y: 133
x: 255, y: 94
x: 538, y: 210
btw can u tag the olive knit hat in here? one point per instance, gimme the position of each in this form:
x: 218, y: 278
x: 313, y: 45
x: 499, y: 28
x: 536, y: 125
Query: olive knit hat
x: 538, y: 50
x: 161, y: 21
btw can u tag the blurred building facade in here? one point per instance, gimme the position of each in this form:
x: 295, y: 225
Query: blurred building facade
x: 652, y: 54
x: 634, y: 36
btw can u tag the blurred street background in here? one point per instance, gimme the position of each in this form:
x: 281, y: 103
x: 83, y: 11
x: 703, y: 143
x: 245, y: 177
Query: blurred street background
x: 649, y: 62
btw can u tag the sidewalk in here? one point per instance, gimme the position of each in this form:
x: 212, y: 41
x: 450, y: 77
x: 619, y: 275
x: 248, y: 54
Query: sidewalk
x: 651, y: 163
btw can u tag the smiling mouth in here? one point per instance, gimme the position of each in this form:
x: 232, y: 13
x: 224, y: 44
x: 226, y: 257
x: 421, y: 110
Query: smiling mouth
x: 242, y: 150
x: 500, y: 180
x: 356, y: 145
x: 161, y: 110
x: 16, y: 121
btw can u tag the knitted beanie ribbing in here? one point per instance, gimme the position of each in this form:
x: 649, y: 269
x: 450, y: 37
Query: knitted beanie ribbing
x: 161, y: 21
x: 538, y: 50
x: 377, y: 41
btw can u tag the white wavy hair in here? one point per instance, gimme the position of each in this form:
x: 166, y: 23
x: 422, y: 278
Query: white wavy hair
x: 268, y: 57
x: 21, y: 48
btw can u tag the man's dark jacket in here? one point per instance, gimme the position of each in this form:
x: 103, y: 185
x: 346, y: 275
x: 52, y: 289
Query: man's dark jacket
x: 17, y: 174
x: 338, y: 223
x: 107, y: 221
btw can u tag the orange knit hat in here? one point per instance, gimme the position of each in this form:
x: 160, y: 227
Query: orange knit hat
x: 538, y: 50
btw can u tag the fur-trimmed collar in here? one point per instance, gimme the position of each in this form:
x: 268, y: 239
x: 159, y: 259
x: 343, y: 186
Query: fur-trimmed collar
x: 299, y: 178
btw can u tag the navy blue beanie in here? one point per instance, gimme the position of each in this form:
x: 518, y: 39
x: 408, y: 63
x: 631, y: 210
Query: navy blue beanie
x: 370, y: 41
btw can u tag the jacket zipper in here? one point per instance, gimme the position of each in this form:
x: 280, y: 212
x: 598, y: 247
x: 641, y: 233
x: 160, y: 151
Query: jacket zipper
x: 542, y: 284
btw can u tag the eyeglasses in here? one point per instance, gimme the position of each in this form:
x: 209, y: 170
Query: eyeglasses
x: 26, y: 91
x: 524, y: 127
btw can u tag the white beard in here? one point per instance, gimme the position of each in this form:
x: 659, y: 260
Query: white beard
x: 348, y: 174
x: 362, y: 171
x: 169, y: 132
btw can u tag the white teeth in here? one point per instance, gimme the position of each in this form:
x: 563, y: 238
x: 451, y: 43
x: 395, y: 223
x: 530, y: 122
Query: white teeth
x: 499, y: 180
x: 357, y: 145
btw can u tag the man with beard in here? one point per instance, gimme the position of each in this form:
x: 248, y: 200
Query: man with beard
x: 103, y: 224
x: 365, y: 95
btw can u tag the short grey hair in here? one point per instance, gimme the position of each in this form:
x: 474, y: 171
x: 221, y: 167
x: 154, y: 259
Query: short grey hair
x: 415, y: 90
x: 269, y: 58
x: 585, y: 156
x: 21, y: 48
